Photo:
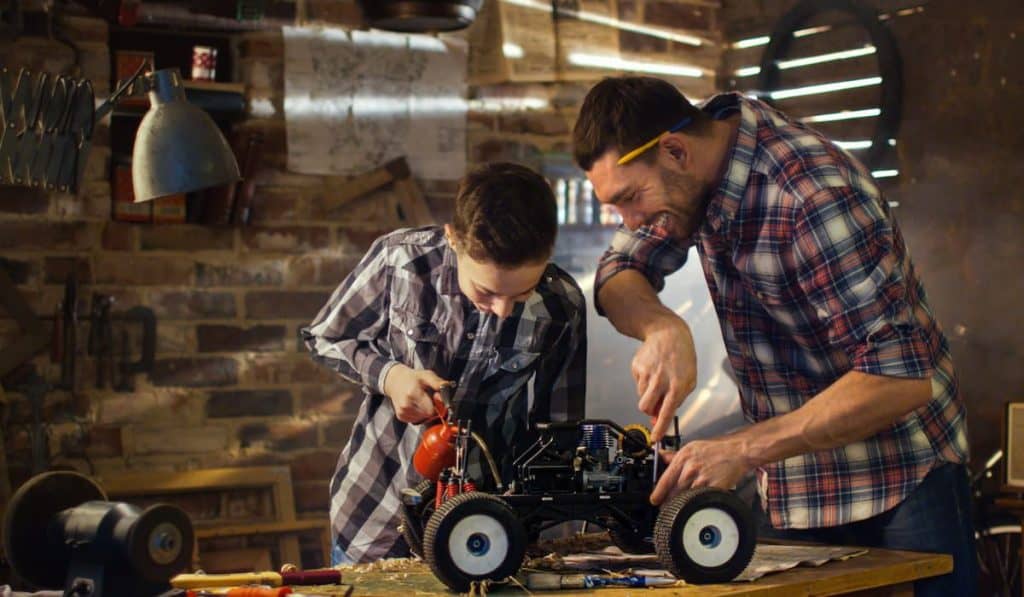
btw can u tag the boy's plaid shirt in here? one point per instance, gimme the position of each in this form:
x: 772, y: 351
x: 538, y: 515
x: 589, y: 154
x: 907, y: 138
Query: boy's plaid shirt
x: 810, y: 279
x: 402, y: 304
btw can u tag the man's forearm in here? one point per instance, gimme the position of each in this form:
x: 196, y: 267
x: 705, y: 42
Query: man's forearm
x: 855, y: 407
x: 632, y: 305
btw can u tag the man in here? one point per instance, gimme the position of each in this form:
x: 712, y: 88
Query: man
x: 858, y: 431
x: 475, y: 302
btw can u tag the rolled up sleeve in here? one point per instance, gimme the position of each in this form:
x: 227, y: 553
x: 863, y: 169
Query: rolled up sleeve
x: 853, y: 279
x: 648, y: 250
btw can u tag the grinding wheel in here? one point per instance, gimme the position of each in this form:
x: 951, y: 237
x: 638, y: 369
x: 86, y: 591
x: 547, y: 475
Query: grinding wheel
x: 27, y: 524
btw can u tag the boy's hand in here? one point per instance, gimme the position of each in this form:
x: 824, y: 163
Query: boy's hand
x: 410, y: 391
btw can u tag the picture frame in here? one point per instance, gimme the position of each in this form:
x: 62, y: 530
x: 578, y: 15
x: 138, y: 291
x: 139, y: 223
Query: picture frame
x: 1013, y: 446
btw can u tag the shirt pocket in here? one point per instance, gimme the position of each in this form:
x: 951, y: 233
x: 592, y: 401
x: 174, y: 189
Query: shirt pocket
x: 416, y: 340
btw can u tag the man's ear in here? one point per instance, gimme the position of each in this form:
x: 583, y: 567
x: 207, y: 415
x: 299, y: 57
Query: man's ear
x: 677, y: 148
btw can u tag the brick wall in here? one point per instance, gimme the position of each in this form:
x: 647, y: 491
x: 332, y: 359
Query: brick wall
x: 231, y: 385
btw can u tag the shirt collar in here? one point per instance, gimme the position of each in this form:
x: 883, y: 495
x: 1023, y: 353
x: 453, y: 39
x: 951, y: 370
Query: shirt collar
x: 726, y: 199
x: 449, y: 280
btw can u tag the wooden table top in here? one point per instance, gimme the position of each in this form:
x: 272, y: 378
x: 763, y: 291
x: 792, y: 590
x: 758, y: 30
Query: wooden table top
x: 877, y: 568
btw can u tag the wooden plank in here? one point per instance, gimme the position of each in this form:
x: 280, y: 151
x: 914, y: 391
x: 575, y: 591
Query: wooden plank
x: 847, y: 130
x: 824, y: 103
x: 829, y: 72
x: 845, y: 37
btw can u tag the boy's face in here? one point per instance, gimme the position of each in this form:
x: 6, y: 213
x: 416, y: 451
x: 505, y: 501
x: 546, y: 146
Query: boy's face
x: 493, y: 288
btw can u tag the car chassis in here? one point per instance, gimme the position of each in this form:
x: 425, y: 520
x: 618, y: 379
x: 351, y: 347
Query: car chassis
x: 591, y: 470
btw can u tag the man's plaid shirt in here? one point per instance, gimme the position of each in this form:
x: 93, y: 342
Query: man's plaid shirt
x: 402, y: 304
x: 810, y: 279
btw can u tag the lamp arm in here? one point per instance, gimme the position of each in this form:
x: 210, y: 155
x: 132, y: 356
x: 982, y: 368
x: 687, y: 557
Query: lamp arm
x: 108, y: 105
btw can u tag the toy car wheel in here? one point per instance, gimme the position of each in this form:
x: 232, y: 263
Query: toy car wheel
x: 473, y: 536
x: 629, y: 541
x: 705, y: 536
x: 414, y: 518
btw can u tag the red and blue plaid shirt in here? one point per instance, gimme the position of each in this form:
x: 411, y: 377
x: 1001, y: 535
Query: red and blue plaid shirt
x: 811, y: 279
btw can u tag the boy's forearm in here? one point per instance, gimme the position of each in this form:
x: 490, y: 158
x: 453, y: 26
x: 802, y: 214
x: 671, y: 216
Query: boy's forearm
x: 632, y: 305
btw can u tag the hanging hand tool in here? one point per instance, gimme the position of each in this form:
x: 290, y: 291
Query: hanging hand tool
x: 69, y: 325
x: 101, y: 339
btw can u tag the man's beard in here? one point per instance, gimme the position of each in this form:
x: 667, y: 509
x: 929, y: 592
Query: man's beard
x: 688, y: 201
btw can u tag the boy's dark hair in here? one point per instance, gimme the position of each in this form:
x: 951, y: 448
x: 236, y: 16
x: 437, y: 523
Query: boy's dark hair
x: 505, y: 214
x: 625, y: 112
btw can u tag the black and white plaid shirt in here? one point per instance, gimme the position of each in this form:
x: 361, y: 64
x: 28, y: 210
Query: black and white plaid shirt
x: 402, y: 304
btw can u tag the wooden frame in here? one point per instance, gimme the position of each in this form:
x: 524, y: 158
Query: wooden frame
x: 1013, y: 446
x: 277, y: 479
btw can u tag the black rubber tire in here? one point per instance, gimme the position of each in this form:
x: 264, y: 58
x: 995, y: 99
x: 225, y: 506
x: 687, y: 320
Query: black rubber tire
x: 630, y: 542
x: 414, y: 518
x: 453, y: 511
x: 669, y: 540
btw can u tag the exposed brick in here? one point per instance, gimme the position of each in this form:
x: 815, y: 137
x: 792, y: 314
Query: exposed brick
x: 18, y: 271
x: 229, y: 338
x: 340, y: 398
x: 359, y: 239
x: 193, y: 304
x: 103, y: 441
x: 292, y: 435
x: 254, y: 273
x: 277, y: 205
x: 312, y: 496
x: 134, y: 270
x: 83, y: 28
x: 174, y: 338
x: 317, y: 270
x: 252, y: 433
x: 286, y: 238
x: 175, y: 440
x: 675, y: 15
x: 23, y: 200
x: 139, y: 406
x: 91, y: 202
x: 45, y: 235
x: 314, y: 466
x: 285, y: 369
x: 249, y: 403
x: 58, y: 268
x: 119, y: 236
x: 194, y: 373
x: 283, y: 304
x: 337, y: 431
x: 186, y: 238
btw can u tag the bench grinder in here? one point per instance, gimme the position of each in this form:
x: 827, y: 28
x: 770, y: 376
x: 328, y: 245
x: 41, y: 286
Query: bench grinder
x: 61, y: 532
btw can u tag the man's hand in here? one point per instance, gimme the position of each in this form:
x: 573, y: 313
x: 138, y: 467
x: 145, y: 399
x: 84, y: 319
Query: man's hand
x: 719, y: 462
x: 665, y: 370
x: 411, y: 392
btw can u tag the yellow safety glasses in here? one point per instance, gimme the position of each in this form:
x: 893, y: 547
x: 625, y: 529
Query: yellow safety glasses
x: 625, y: 159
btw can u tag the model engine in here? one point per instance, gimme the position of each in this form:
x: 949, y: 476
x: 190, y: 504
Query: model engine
x: 593, y: 457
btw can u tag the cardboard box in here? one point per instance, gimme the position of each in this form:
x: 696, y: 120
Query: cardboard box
x: 124, y: 207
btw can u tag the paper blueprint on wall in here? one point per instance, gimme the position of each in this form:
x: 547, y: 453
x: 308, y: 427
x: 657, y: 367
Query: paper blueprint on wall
x: 356, y: 99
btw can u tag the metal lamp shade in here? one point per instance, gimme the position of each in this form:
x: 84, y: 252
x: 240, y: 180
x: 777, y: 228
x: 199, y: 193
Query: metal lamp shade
x: 419, y: 16
x: 178, y: 147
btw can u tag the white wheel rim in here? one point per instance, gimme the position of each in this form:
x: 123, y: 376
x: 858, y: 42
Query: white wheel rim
x: 478, y: 544
x: 710, y: 537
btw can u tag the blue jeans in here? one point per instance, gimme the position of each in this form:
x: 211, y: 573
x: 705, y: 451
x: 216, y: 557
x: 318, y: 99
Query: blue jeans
x: 935, y: 517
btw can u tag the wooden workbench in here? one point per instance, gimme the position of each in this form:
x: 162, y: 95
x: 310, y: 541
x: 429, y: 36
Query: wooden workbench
x: 879, y: 572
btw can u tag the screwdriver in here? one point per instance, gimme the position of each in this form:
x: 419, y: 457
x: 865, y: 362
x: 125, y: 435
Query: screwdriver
x: 326, y: 576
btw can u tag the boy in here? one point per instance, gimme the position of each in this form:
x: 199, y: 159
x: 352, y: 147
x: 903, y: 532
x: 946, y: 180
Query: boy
x: 475, y: 302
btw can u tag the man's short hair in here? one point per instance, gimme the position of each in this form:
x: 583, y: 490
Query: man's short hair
x: 505, y: 214
x: 623, y: 113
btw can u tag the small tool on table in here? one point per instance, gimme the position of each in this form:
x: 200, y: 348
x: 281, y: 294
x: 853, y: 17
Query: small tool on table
x: 274, y: 579
x: 548, y: 581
